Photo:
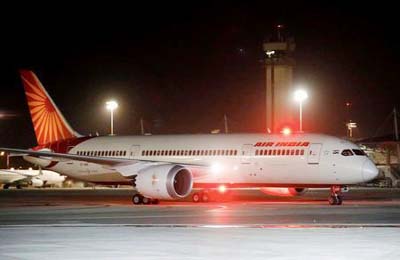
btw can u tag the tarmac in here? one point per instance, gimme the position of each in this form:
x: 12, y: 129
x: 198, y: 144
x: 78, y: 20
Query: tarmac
x: 104, y: 224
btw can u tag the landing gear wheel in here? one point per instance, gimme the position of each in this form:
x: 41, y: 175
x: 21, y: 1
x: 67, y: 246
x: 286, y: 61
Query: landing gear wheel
x: 6, y: 186
x: 205, y: 197
x: 196, y: 197
x: 146, y: 201
x: 335, y: 198
x: 155, y: 201
x: 137, y: 199
x: 332, y: 200
x: 339, y: 200
x: 19, y: 187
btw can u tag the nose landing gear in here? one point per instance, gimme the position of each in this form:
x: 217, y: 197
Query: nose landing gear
x: 335, y: 198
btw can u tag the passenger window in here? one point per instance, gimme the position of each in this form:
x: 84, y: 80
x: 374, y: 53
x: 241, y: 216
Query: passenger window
x: 347, y: 152
x: 301, y: 152
x: 297, y: 152
x: 235, y: 152
x: 291, y: 152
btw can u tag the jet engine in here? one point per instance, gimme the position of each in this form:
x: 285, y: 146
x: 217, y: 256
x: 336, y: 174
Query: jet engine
x: 285, y: 192
x: 36, y: 182
x: 164, y: 182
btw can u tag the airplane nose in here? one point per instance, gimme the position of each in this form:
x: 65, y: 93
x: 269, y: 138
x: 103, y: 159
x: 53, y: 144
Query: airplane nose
x: 369, y: 171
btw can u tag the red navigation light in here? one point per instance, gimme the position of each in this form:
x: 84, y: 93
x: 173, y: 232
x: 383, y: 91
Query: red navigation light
x: 286, y: 131
x: 221, y: 188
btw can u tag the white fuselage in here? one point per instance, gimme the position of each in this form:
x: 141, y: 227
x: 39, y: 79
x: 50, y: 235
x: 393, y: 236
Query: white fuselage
x: 294, y: 160
x: 9, y: 176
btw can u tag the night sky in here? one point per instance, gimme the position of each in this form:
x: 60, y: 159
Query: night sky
x: 183, y: 66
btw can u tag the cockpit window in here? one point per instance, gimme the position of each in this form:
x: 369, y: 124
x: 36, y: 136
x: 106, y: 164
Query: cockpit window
x: 359, y: 152
x: 347, y: 152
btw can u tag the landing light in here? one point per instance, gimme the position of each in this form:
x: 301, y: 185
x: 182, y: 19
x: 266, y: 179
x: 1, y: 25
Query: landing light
x: 286, y: 131
x: 222, y: 188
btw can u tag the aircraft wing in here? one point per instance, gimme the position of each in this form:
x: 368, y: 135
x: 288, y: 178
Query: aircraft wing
x: 122, y: 165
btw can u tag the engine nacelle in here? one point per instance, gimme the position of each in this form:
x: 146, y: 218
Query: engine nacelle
x: 36, y: 182
x: 165, y: 182
x: 286, y: 192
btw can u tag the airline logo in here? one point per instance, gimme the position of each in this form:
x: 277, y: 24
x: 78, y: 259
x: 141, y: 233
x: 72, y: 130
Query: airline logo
x: 280, y: 144
x: 48, y: 123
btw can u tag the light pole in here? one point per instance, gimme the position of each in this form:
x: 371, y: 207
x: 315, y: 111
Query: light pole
x: 112, y: 105
x: 300, y: 95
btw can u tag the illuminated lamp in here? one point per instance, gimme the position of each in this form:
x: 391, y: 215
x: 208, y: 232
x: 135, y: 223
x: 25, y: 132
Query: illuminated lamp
x: 286, y: 131
x: 222, y: 188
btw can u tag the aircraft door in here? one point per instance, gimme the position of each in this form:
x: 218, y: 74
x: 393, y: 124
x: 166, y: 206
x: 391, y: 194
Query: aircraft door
x: 314, y: 153
x: 135, y: 151
x: 247, y: 150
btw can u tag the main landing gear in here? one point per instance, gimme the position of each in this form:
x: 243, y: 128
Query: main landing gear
x: 335, y: 198
x: 138, y: 199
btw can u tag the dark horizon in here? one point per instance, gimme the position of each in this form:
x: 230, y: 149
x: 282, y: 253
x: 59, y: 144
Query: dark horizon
x: 182, y: 67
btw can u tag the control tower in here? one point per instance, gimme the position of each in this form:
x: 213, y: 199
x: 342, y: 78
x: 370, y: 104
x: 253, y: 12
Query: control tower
x: 279, y: 66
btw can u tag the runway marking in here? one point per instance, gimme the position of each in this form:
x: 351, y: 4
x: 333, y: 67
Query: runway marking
x: 266, y: 226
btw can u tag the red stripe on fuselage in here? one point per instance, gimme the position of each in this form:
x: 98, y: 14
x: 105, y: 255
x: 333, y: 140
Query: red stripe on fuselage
x: 63, y: 146
x: 52, y: 164
x: 259, y: 185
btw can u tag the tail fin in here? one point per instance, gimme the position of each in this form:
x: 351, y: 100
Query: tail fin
x: 48, y: 122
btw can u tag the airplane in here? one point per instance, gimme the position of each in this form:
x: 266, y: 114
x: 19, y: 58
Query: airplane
x: 36, y: 178
x: 171, y: 167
